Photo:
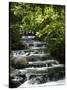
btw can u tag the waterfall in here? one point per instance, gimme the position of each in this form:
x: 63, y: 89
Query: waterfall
x: 41, y: 68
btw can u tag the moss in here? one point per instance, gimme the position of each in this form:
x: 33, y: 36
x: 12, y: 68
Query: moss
x: 19, y: 63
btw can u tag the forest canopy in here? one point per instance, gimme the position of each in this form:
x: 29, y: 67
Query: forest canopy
x: 48, y: 21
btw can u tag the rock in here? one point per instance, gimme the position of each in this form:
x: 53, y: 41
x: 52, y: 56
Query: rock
x: 16, y: 81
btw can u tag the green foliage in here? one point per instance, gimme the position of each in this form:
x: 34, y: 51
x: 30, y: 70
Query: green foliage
x: 53, y: 33
x: 15, y: 41
x: 48, y: 21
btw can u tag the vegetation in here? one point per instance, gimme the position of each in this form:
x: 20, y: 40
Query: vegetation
x: 48, y: 21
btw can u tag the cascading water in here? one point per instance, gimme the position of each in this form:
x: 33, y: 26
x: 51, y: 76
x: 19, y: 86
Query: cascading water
x: 41, y: 68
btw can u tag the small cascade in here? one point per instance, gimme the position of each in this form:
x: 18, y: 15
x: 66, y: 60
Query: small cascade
x: 42, y: 68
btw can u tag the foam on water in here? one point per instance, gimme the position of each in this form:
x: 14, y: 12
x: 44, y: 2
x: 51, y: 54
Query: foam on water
x: 51, y: 83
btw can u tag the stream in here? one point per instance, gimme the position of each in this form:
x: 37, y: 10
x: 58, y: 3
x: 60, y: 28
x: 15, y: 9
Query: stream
x: 42, y: 69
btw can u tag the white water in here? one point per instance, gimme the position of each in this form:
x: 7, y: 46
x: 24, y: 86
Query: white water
x: 18, y: 55
x: 52, y: 83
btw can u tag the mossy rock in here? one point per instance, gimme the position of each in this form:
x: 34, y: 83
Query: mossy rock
x: 19, y: 63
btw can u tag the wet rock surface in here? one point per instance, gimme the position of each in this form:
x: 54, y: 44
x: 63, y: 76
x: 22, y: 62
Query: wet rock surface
x: 17, y: 80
